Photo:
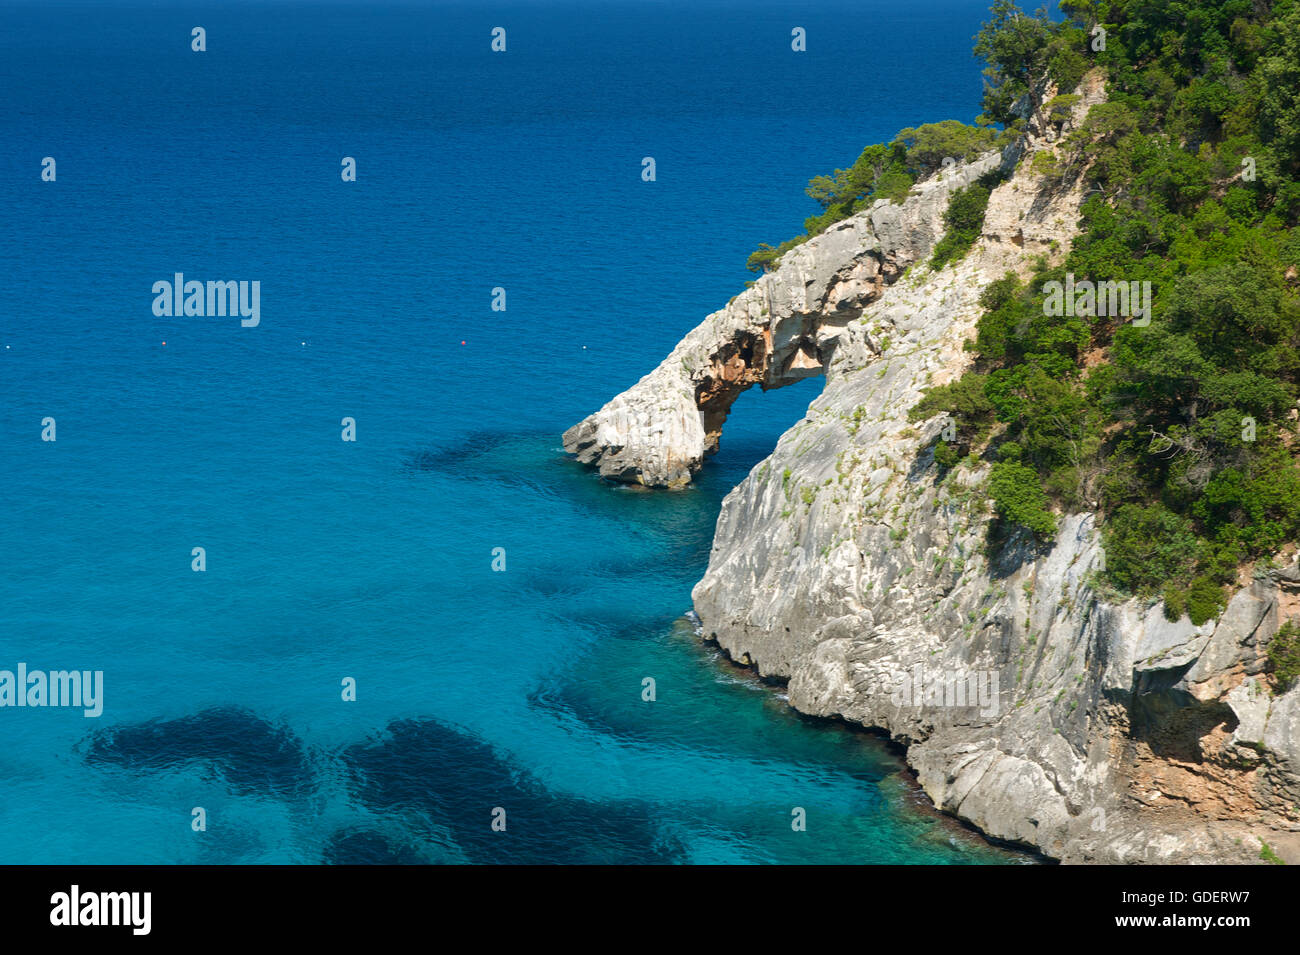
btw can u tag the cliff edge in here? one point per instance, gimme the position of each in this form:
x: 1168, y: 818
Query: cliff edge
x: 1033, y: 704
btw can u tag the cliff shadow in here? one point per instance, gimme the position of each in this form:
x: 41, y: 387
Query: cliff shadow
x: 1172, y: 722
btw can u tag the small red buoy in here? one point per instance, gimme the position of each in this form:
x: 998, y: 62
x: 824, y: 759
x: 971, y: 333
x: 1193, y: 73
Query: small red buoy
x: 164, y: 344
x: 462, y: 343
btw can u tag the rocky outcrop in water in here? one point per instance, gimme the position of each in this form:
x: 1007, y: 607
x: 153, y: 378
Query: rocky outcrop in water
x: 782, y: 329
x: 1032, y: 703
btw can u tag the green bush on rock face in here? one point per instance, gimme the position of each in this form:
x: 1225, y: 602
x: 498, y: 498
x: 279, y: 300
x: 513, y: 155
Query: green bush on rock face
x: 1268, y: 855
x: 1204, y: 600
x: 964, y: 400
x: 1284, y: 655
x: 964, y: 218
x: 765, y: 258
x: 1058, y: 109
x: 929, y: 145
x: 945, y: 455
x: 762, y: 259
x: 1066, y: 63
x: 1149, y: 546
x: 1175, y: 601
x: 970, y: 412
x: 1019, y: 498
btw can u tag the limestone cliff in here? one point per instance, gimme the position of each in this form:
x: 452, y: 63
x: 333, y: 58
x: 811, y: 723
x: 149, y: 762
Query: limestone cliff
x: 782, y: 329
x: 1087, y: 726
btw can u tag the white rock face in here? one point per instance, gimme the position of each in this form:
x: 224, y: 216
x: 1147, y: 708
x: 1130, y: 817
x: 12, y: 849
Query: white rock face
x: 1031, y: 704
x: 782, y: 329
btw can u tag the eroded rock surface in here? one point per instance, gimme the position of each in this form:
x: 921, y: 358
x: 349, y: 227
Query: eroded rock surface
x: 781, y: 330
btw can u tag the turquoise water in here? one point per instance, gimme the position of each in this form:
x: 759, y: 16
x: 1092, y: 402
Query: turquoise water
x: 372, y: 560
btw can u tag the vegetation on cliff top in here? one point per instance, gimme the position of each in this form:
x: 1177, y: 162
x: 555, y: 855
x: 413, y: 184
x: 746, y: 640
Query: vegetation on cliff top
x: 1178, y: 422
x: 884, y: 171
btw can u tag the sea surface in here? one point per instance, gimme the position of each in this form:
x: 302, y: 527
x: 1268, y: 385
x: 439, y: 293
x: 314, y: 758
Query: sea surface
x: 476, y: 690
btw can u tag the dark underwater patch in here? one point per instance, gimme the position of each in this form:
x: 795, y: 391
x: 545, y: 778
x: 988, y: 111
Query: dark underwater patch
x: 253, y: 756
x: 557, y: 582
x: 494, y: 457
x: 366, y: 847
x: 426, y: 768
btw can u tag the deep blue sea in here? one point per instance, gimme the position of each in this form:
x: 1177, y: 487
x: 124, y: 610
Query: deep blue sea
x: 372, y: 560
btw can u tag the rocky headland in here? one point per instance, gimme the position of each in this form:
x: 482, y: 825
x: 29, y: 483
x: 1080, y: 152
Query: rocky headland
x: 1094, y: 729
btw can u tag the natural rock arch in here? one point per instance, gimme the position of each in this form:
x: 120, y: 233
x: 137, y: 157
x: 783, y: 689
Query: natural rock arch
x: 784, y: 328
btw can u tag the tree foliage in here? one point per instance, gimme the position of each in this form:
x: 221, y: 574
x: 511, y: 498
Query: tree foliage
x: 883, y: 171
x: 1182, y: 431
x: 964, y: 218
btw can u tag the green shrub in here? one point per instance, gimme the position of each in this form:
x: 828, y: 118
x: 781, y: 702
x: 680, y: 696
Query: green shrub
x: 964, y: 400
x: 1175, y: 601
x: 1066, y: 65
x: 1284, y: 655
x: 1059, y: 107
x: 762, y: 259
x: 1018, y: 497
x: 1148, y: 548
x: 929, y: 145
x: 766, y: 258
x: 964, y: 219
x: 1268, y: 855
x: 893, y: 186
x: 1204, y: 600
